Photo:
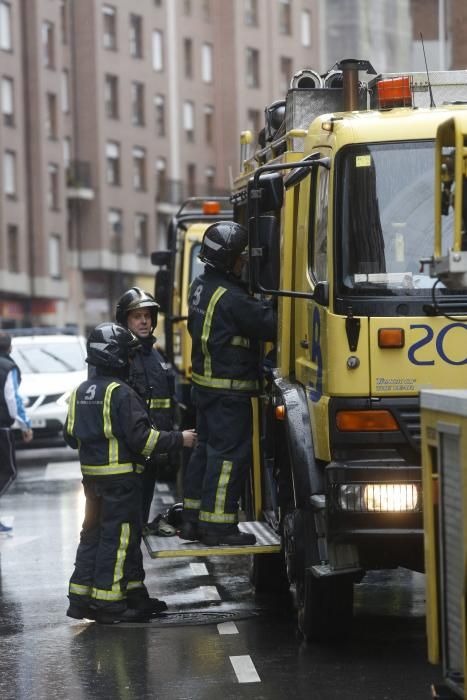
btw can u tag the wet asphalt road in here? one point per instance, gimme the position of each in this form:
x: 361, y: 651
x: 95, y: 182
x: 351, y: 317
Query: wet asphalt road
x: 218, y: 640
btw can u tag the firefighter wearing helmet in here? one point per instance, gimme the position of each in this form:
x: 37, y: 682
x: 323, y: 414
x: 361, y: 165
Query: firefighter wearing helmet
x: 153, y: 380
x: 108, y: 423
x: 226, y: 325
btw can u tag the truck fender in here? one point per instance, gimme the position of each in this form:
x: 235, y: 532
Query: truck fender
x: 306, y: 475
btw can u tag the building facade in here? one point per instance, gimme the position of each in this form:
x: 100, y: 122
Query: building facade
x: 113, y: 112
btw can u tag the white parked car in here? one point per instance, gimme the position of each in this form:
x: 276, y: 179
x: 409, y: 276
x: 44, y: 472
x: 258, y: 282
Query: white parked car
x: 51, y: 366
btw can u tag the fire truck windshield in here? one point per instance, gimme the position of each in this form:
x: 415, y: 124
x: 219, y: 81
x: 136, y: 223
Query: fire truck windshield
x: 386, y: 218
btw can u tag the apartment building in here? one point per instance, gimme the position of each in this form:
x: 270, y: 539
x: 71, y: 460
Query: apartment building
x: 114, y: 111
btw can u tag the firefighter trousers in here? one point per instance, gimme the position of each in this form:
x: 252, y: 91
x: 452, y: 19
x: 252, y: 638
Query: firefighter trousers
x: 109, y: 563
x: 215, y: 476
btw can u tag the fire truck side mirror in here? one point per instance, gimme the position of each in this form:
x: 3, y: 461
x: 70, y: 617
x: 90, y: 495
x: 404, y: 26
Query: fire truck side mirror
x: 271, y: 188
x: 264, y: 254
x: 160, y: 258
x: 162, y: 290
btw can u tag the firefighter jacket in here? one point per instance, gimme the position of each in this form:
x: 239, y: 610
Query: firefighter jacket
x: 226, y: 324
x: 6, y: 365
x: 153, y: 379
x: 108, y: 423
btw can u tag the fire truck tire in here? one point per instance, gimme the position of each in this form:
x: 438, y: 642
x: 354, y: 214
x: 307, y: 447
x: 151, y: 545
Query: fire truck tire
x: 324, y: 606
x: 268, y: 573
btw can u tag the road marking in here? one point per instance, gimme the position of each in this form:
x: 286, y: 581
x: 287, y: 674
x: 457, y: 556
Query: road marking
x: 58, y: 471
x: 227, y: 628
x: 199, y: 569
x: 210, y: 592
x: 244, y: 669
x: 167, y: 500
x: 162, y: 487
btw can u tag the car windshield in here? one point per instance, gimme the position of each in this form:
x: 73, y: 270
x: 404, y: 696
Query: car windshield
x: 386, y: 206
x: 49, y: 357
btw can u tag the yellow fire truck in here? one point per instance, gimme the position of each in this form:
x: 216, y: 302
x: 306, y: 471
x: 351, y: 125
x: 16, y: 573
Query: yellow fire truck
x: 178, y: 266
x: 339, y: 198
x: 444, y: 433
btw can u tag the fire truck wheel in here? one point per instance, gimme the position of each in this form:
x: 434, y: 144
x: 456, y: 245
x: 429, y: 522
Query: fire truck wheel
x: 268, y: 573
x: 325, y: 606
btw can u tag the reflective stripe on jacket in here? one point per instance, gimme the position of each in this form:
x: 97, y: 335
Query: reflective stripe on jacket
x: 226, y: 324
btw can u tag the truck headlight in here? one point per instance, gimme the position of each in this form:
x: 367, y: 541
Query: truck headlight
x: 379, y: 498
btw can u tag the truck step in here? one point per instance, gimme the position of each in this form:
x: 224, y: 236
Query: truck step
x: 267, y: 542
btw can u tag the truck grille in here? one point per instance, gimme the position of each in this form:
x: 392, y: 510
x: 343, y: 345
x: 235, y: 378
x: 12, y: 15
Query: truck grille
x: 409, y: 421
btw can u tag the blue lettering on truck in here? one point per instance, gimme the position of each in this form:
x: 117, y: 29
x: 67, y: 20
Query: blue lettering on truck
x: 439, y: 345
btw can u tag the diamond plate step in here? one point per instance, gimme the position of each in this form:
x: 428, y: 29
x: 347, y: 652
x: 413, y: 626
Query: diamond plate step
x: 267, y: 542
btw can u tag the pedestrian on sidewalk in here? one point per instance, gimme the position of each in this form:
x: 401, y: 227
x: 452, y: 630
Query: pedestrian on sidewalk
x: 108, y: 423
x: 11, y: 410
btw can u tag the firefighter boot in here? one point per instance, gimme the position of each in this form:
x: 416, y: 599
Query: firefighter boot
x: 228, y: 536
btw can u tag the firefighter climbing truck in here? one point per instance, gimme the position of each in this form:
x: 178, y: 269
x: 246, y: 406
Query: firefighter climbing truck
x: 338, y: 198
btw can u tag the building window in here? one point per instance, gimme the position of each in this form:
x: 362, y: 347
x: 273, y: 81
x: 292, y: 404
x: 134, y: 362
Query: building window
x: 187, y: 7
x: 285, y: 73
x: 5, y: 26
x: 188, y: 57
x: 206, y: 63
x: 66, y: 152
x: 305, y: 28
x: 161, y: 179
x: 136, y: 36
x: 48, y: 47
x: 8, y: 102
x: 55, y: 267
x: 109, y: 17
x: 111, y: 96
x: 52, y: 192
x: 9, y: 173
x: 206, y: 10
x: 210, y: 178
x: 191, y: 179
x: 137, y: 104
x: 115, y: 223
x: 189, y: 120
x: 13, y: 248
x: 251, y: 13
x: 254, y: 121
x: 51, y: 116
x: 209, y: 123
x: 157, y: 51
x: 139, y: 168
x: 112, y: 152
x: 252, y: 68
x: 141, y: 234
x: 64, y: 21
x: 65, y: 91
x: 159, y: 114
x: 285, y: 17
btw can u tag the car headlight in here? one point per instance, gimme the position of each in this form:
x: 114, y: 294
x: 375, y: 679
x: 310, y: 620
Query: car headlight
x: 379, y: 498
x: 64, y: 399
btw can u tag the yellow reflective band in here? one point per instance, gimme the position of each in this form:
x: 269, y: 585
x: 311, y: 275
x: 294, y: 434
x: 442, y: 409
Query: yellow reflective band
x: 121, y: 553
x: 78, y: 589
x: 134, y: 585
x: 237, y: 340
x: 222, y: 487
x: 160, y: 403
x: 191, y: 503
x: 113, y: 442
x: 102, y: 594
x: 220, y: 383
x: 104, y: 469
x: 150, y: 442
x: 71, y: 413
x: 207, y: 329
x: 218, y: 517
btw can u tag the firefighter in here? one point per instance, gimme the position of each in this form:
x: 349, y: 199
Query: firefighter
x: 153, y: 379
x: 226, y: 324
x: 108, y: 423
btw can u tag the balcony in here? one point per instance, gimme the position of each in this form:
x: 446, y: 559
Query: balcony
x: 175, y: 192
x: 78, y: 180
